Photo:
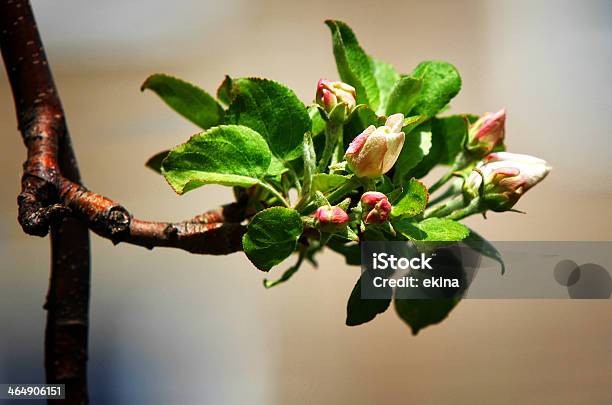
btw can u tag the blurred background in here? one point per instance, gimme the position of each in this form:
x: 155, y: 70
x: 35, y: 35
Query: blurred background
x: 170, y: 327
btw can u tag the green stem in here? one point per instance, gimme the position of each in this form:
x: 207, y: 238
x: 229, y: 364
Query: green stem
x: 449, y: 192
x: 295, y: 178
x: 275, y: 192
x: 442, y: 181
x: 472, y: 208
x: 333, y: 132
x: 445, y: 208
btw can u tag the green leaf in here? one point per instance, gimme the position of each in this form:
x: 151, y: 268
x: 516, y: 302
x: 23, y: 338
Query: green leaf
x: 483, y: 246
x: 186, y: 99
x: 287, y: 274
x: 224, y: 92
x: 351, y: 252
x: 442, y: 230
x: 318, y: 123
x: 412, y: 201
x: 413, y: 122
x: 230, y: 155
x: 386, y: 77
x: 416, y: 146
x: 274, y: 111
x: 324, y: 182
x: 419, y: 313
x: 272, y: 236
x: 359, y: 311
x: 441, y: 82
x: 276, y: 168
x: 403, y: 96
x: 453, y: 131
x: 433, y: 157
x: 155, y: 162
x: 353, y: 64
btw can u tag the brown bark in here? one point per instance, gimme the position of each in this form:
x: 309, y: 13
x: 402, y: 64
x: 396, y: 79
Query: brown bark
x: 41, y: 122
x: 53, y: 198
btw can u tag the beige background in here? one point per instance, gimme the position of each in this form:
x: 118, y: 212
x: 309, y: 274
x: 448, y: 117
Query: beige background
x: 169, y: 327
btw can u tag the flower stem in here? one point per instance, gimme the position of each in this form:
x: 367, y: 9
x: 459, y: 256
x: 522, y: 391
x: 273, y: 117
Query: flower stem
x: 442, y: 181
x: 445, y: 208
x: 275, y: 192
x: 295, y: 178
x: 449, y: 192
x: 333, y: 133
x: 474, y: 207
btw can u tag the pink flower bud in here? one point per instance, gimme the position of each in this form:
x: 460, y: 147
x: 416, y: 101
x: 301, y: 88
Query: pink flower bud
x: 374, y: 152
x: 330, y: 94
x: 487, y: 133
x: 376, y: 207
x: 507, y: 176
x: 330, y: 219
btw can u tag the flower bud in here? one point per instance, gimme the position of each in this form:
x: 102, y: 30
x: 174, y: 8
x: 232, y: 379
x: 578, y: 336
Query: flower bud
x: 375, y: 207
x: 487, y: 133
x: 331, y: 219
x: 374, y: 152
x: 330, y: 94
x: 507, y: 176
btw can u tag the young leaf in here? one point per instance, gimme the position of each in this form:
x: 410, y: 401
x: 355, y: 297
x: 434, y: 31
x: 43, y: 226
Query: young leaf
x: 386, y: 77
x: 416, y: 147
x: 353, y: 64
x: 230, y: 155
x: 433, y: 157
x: 154, y: 163
x: 403, y: 95
x: 324, y: 182
x: 276, y: 167
x: 224, y: 91
x: 441, y: 230
x: 186, y: 99
x: 272, y: 236
x: 359, y: 310
x: 412, y: 201
x: 453, y: 131
x: 274, y: 111
x: 441, y: 82
x: 419, y: 313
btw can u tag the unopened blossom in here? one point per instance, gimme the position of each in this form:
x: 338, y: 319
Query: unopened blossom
x: 507, y: 176
x: 487, y: 133
x: 374, y: 152
x: 375, y: 207
x: 330, y: 94
x: 331, y: 219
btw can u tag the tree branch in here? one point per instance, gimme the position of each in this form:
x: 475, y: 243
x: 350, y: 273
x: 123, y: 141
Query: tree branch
x: 41, y: 122
x: 49, y: 194
x: 52, y: 198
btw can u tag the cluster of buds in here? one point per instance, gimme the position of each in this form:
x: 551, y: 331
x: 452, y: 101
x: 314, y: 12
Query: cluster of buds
x: 331, y: 219
x: 374, y: 152
x: 500, y: 179
x: 330, y: 95
x: 486, y: 133
x: 376, y: 207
